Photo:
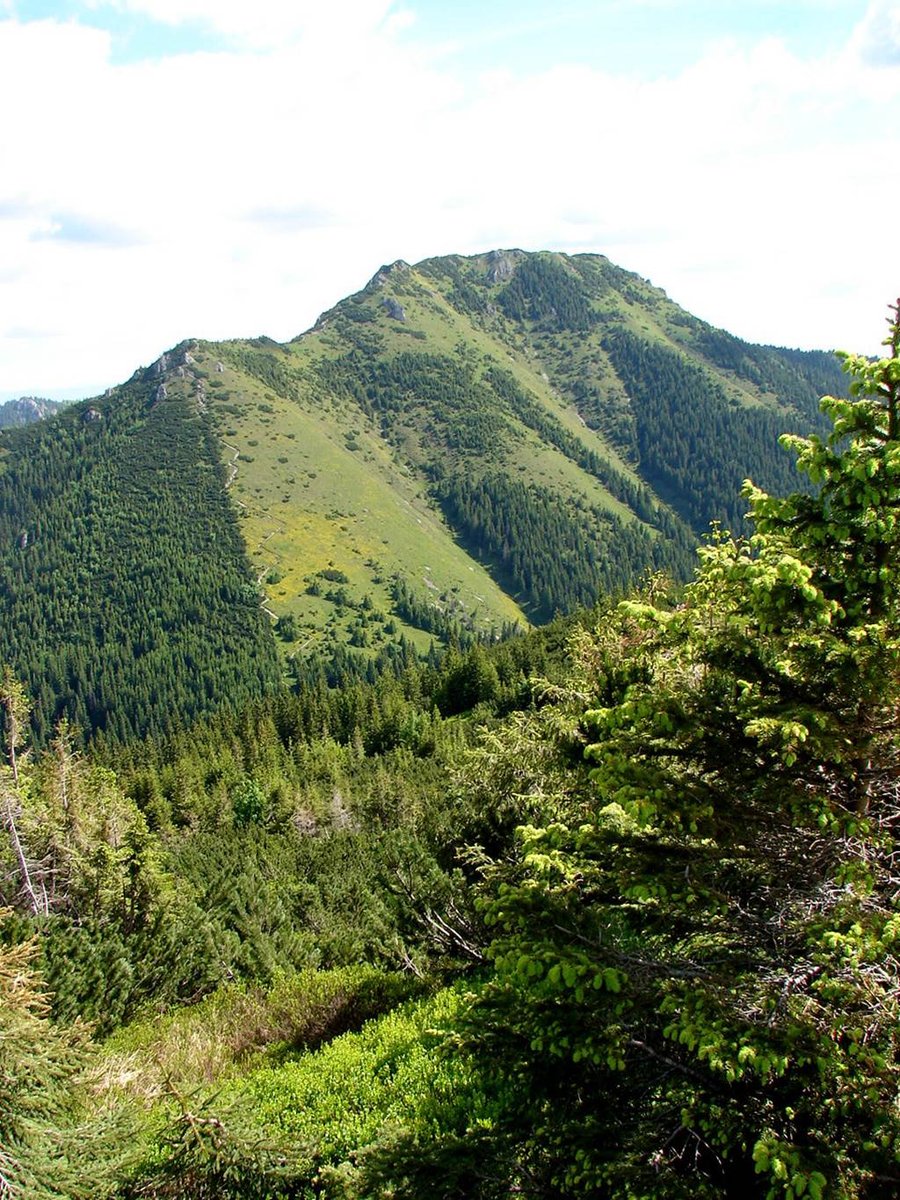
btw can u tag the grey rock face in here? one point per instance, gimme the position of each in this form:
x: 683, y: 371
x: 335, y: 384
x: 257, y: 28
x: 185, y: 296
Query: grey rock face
x: 25, y: 410
x: 394, y: 308
x: 502, y: 264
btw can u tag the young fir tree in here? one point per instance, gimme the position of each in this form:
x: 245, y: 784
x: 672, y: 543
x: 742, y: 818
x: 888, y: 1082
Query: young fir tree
x: 697, y: 986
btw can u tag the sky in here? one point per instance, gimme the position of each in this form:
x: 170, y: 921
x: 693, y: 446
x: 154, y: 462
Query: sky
x: 220, y: 168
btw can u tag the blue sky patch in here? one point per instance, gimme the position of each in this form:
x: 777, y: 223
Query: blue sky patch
x: 135, y: 37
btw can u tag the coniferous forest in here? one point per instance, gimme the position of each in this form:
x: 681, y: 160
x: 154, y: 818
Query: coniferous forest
x: 602, y: 908
x: 127, y: 599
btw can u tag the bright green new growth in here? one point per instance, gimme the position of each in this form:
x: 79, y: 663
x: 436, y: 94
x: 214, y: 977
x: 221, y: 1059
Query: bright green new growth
x: 697, y: 987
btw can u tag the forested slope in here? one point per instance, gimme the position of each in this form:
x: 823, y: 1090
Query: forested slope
x: 127, y: 600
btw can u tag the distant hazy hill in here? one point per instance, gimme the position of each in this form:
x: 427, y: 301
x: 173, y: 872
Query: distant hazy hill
x: 26, y: 409
x: 462, y: 446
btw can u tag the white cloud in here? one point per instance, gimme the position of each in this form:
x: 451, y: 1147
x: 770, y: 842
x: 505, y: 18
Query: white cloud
x: 877, y: 37
x: 228, y: 194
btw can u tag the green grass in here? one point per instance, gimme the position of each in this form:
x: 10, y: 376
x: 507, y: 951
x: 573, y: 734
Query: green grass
x: 303, y: 1123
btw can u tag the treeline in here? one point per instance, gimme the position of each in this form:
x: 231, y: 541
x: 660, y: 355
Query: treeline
x: 695, y: 446
x: 552, y: 555
x: 127, y: 599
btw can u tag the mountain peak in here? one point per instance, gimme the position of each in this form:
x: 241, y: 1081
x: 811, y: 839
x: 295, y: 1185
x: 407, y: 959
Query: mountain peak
x: 467, y: 444
x: 383, y: 274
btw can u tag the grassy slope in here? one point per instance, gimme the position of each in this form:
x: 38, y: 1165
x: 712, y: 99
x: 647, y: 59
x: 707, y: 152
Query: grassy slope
x: 309, y: 503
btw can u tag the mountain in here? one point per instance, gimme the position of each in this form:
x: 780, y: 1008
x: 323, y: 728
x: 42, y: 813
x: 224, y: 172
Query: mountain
x: 27, y: 409
x: 464, y: 446
x: 567, y: 423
